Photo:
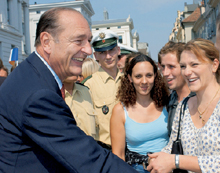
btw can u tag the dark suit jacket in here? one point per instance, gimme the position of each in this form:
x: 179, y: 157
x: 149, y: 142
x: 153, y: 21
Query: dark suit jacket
x: 2, y: 80
x: 38, y: 132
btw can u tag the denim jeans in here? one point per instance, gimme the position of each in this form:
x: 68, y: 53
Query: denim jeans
x: 139, y: 168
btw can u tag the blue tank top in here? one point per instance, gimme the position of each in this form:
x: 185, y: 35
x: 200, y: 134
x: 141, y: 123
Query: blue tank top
x: 146, y: 137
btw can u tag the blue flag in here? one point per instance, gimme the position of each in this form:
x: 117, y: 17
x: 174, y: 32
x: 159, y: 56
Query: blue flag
x: 13, y: 56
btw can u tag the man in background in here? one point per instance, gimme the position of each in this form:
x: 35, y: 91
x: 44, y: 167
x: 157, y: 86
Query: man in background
x: 4, y: 71
x: 104, y: 83
x: 168, y: 60
x: 125, y: 51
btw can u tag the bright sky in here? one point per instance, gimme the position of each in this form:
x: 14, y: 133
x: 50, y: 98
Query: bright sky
x: 153, y: 19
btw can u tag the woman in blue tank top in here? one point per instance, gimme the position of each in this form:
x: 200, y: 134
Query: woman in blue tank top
x: 139, y: 120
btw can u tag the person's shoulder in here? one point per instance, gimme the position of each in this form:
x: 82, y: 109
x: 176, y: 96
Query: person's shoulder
x: 118, y: 107
x: 86, y: 79
x: 192, y: 94
x: 81, y: 86
x: 173, y: 94
x: 192, y: 102
x: 92, y: 78
x: 173, y: 98
x: 84, y: 91
x: 118, y: 112
x: 164, y: 111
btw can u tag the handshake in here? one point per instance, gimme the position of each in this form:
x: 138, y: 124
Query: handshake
x: 132, y: 157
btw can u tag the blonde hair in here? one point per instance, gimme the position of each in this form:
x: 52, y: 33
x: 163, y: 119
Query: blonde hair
x: 89, y: 67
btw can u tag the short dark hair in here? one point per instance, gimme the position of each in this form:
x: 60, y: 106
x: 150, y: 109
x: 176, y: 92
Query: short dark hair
x: 49, y: 22
x: 171, y: 47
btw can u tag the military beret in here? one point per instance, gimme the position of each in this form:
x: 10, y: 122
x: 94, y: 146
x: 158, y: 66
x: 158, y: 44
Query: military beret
x: 126, y: 49
x: 104, y: 40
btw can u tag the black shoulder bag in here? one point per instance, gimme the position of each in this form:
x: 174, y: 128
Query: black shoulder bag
x: 177, y: 146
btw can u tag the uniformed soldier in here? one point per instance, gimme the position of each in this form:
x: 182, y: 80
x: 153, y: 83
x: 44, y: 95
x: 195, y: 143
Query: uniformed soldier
x: 125, y: 51
x: 104, y: 83
x: 78, y: 98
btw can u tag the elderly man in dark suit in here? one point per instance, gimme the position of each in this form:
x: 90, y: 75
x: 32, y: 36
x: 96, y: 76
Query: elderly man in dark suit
x: 37, y: 130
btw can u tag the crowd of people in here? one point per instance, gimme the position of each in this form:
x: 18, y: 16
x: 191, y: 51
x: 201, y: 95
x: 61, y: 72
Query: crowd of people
x: 63, y: 111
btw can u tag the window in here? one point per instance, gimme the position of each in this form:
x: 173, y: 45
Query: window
x: 38, y: 12
x: 120, y: 39
x: 23, y: 25
x: 216, y: 11
x: 97, y: 29
x: 8, y: 12
x: 1, y: 51
x: 119, y: 27
x: 108, y: 27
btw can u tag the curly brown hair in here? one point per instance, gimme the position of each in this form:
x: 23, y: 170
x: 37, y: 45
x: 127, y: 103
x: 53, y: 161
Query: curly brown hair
x: 127, y: 94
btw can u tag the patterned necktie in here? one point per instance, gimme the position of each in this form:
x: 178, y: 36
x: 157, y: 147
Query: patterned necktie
x: 63, y: 92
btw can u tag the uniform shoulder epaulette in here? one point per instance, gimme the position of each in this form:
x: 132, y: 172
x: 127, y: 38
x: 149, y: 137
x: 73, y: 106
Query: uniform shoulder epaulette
x: 84, y: 80
x: 81, y: 84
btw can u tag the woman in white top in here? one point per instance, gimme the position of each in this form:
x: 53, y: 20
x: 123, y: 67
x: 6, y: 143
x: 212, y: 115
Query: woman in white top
x: 200, y: 126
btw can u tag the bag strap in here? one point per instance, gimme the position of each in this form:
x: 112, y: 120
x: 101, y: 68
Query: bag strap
x: 182, y: 112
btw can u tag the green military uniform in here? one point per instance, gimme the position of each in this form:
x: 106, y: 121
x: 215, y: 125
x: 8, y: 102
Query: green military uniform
x: 81, y: 105
x: 103, y: 89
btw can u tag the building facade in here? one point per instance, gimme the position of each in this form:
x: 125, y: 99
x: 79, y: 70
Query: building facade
x: 205, y: 26
x: 182, y: 30
x: 143, y: 48
x: 123, y: 27
x: 190, y: 15
x: 14, y: 29
x: 177, y: 34
x: 197, y: 21
x: 36, y: 10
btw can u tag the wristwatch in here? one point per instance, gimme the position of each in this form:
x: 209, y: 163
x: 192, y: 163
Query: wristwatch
x: 177, y: 161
